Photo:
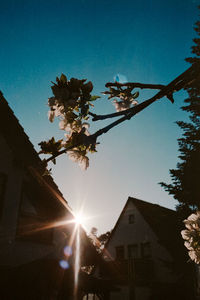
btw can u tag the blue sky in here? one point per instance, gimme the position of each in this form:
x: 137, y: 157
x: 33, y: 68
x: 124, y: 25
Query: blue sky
x: 147, y: 41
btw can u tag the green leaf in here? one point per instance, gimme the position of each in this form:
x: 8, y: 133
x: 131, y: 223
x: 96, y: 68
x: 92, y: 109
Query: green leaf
x: 95, y: 97
x: 135, y: 95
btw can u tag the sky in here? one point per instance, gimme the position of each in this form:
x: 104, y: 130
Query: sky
x: 145, y: 41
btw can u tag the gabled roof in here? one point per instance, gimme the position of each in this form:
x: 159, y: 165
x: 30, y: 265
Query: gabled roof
x: 163, y: 222
x: 24, y: 153
x: 14, y: 134
x: 22, y: 149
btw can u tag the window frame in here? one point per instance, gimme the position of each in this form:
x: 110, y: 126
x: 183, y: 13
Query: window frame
x: 45, y: 236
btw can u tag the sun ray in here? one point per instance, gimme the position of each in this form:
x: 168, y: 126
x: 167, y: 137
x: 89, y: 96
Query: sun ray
x: 77, y: 260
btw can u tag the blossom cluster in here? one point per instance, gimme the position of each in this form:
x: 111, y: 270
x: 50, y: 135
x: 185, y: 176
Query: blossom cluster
x: 124, y: 104
x: 70, y: 103
x: 191, y: 235
x: 125, y: 94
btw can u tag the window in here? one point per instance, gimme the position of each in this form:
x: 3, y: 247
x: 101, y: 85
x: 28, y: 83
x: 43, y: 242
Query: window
x: 119, y: 252
x: 133, y: 251
x: 146, y: 249
x: 31, y: 217
x: 2, y: 191
x: 131, y: 219
x: 27, y: 206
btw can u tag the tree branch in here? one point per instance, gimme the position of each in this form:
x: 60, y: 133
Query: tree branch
x: 91, y: 139
x: 133, y: 85
x: 180, y: 82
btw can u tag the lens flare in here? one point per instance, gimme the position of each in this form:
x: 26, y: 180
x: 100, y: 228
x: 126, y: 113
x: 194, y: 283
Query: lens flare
x: 64, y: 264
x: 77, y: 258
x: 120, y: 78
x: 68, y: 251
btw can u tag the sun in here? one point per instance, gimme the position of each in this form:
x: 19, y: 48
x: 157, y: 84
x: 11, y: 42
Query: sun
x: 79, y: 218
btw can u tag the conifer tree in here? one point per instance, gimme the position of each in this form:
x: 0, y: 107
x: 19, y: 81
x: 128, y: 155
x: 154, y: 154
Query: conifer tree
x: 185, y: 186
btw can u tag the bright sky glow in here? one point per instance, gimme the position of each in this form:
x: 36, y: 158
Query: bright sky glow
x: 145, y: 41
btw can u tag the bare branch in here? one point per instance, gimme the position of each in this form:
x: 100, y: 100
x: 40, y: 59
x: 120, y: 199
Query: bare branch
x: 133, y: 85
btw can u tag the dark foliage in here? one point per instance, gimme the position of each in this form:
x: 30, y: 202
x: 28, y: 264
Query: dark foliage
x: 185, y: 186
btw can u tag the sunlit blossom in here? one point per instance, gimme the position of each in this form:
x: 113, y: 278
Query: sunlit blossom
x: 124, y: 104
x: 71, y: 105
x: 51, y: 115
x: 59, y: 110
x: 192, y: 236
x: 195, y: 255
x: 64, y: 125
x: 78, y: 157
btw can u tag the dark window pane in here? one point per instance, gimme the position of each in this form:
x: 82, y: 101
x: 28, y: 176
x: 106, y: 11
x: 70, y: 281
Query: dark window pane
x: 32, y: 224
x: 146, y: 249
x: 131, y: 219
x: 133, y: 251
x: 120, y: 252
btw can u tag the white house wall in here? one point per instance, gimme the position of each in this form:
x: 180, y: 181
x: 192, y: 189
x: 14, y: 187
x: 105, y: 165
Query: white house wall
x: 138, y: 233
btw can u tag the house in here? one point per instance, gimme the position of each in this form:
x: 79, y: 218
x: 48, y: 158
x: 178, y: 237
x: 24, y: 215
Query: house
x: 38, y: 249
x: 145, y: 254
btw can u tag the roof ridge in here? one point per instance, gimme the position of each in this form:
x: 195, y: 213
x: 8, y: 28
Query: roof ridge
x: 149, y: 203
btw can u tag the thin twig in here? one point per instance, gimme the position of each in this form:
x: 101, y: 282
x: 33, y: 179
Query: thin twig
x: 136, y: 85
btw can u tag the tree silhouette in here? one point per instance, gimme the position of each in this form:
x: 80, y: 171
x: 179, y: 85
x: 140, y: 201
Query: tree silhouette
x: 185, y: 186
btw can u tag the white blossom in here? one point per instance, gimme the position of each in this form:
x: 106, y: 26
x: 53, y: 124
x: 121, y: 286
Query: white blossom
x: 124, y: 104
x: 121, y: 105
x: 187, y: 245
x: 191, y: 235
x: 64, y: 125
x: 59, y: 110
x: 76, y: 156
x: 195, y: 255
x: 51, y: 115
